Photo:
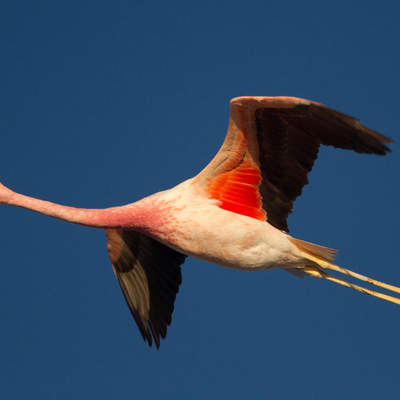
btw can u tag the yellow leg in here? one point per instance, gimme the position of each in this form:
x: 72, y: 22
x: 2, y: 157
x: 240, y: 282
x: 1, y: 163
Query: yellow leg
x: 327, y: 265
x: 317, y: 273
x: 345, y: 271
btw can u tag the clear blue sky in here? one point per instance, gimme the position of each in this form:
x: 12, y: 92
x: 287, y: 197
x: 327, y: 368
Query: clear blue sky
x: 103, y: 103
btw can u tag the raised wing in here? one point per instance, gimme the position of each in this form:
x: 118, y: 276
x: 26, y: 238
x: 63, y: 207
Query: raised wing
x: 271, y: 146
x: 149, y: 274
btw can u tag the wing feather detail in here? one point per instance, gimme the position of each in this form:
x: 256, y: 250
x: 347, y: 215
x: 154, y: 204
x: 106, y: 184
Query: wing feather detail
x: 279, y: 137
x: 237, y: 191
x: 149, y: 275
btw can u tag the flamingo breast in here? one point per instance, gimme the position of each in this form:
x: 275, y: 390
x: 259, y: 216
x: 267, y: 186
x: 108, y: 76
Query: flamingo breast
x: 200, y: 228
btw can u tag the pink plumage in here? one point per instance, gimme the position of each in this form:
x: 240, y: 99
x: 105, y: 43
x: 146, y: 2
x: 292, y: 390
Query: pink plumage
x: 233, y: 213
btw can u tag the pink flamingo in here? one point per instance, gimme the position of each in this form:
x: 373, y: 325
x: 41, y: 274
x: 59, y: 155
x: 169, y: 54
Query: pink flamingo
x: 233, y: 213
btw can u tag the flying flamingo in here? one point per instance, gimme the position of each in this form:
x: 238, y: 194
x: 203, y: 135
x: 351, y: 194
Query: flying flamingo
x: 233, y: 213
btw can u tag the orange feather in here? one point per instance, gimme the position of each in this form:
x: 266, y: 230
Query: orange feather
x: 237, y: 190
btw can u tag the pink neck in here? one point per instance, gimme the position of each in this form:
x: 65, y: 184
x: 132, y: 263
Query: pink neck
x: 144, y: 215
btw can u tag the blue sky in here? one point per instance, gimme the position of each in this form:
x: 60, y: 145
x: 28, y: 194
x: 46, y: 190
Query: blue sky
x: 103, y: 103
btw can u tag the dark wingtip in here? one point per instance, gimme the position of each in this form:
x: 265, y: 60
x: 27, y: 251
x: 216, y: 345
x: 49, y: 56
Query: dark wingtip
x: 364, y: 140
x: 378, y: 141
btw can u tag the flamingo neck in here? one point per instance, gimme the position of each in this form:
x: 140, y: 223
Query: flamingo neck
x: 147, y: 215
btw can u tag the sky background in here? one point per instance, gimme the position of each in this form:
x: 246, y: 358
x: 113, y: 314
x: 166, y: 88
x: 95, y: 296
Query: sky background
x: 104, y: 102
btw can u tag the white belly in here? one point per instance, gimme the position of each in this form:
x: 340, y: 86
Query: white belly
x: 229, y: 239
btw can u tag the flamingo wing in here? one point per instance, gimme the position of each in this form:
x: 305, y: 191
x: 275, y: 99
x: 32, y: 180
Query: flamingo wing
x: 149, y: 274
x: 271, y: 146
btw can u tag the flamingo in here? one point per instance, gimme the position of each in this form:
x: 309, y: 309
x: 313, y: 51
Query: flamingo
x: 233, y: 213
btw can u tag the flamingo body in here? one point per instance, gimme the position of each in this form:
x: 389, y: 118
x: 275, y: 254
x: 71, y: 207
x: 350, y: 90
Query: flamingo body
x: 233, y: 213
x: 197, y: 226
